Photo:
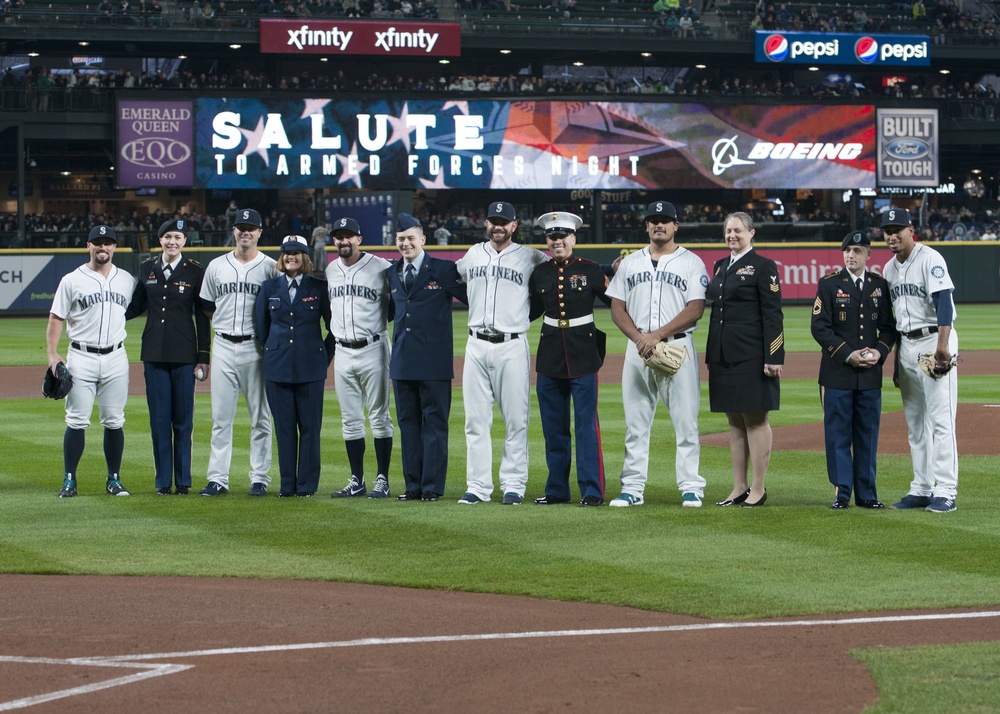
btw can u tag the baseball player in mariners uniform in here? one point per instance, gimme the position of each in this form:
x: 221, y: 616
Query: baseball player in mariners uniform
x: 229, y: 292
x: 921, y: 292
x: 852, y: 321
x: 658, y: 294
x: 92, y: 301
x: 359, y: 305
x: 496, y: 273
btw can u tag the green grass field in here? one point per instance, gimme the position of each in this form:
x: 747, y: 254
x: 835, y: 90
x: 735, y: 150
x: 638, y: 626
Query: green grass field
x: 793, y: 557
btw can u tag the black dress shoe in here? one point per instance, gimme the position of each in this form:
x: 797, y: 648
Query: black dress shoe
x: 734, y: 501
x: 430, y: 496
x: 183, y: 490
x: 747, y: 504
x: 408, y: 496
x: 285, y: 494
x: 871, y: 504
x: 840, y: 504
x: 590, y: 501
x: 304, y: 494
x: 165, y: 491
x: 550, y: 501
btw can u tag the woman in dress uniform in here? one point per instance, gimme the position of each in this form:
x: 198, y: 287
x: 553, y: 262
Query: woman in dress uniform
x: 744, y: 354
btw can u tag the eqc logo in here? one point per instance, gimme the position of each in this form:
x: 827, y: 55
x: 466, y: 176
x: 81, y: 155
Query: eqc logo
x: 866, y: 50
x: 776, y: 48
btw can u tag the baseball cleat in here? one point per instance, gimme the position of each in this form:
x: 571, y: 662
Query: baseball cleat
x: 355, y: 487
x: 258, y: 489
x: 214, y: 489
x: 512, y: 499
x: 911, y: 501
x: 469, y: 499
x: 114, y: 487
x: 69, y: 488
x: 626, y: 500
x: 691, y: 500
x: 941, y: 505
x: 381, y: 488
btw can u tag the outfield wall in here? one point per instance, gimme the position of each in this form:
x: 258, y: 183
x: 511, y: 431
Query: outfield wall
x: 28, y: 278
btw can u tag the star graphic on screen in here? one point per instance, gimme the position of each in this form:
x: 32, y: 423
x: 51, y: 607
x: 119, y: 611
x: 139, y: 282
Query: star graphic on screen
x: 400, y: 131
x: 438, y: 182
x: 313, y: 106
x: 253, y: 138
x: 346, y: 177
x: 460, y: 106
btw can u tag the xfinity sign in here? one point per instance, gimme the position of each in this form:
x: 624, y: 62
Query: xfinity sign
x: 348, y: 37
x: 842, y: 49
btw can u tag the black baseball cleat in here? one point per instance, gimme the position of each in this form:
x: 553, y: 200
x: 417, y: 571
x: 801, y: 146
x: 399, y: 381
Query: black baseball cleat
x: 69, y: 488
x: 258, y: 489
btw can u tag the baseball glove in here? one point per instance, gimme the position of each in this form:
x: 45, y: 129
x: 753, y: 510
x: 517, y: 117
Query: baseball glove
x: 667, y: 358
x: 934, y: 369
x: 57, y: 386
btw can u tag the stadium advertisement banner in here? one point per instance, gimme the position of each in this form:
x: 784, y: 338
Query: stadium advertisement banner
x: 348, y: 37
x: 908, y: 147
x: 842, y: 48
x: 397, y: 145
x: 154, y: 143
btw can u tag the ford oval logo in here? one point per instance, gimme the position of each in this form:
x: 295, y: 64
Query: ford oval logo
x: 156, y: 152
x: 907, y: 149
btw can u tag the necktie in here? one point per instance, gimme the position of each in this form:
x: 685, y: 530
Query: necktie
x: 860, y: 284
x: 292, y: 289
x: 408, y: 277
x: 167, y: 270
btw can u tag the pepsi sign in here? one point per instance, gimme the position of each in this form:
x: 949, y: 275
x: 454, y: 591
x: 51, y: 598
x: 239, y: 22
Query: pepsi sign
x: 842, y: 49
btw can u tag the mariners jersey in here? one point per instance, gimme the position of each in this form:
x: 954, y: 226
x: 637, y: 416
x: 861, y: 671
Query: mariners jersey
x: 911, y: 285
x: 233, y: 287
x: 359, y: 297
x: 498, y: 286
x: 655, y: 295
x: 94, y: 306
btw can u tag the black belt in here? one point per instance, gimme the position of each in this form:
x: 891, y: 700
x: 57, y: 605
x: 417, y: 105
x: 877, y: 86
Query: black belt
x: 235, y: 338
x: 358, y: 344
x: 95, y: 350
x: 495, y: 339
x: 678, y: 336
x: 922, y: 332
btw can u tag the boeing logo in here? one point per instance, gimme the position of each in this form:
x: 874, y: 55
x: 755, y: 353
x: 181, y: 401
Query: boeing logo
x: 725, y: 153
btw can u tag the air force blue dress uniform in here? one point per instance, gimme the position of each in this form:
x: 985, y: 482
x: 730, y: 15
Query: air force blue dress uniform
x: 176, y: 337
x: 296, y: 357
x: 422, y: 365
x: 845, y: 319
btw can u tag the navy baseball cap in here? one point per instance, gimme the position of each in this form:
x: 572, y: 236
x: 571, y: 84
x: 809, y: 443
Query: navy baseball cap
x: 177, y: 225
x: 106, y: 232
x: 661, y: 208
x: 346, y: 224
x: 294, y: 244
x: 500, y: 209
x: 896, y: 217
x: 404, y: 222
x: 248, y: 217
x: 855, y: 238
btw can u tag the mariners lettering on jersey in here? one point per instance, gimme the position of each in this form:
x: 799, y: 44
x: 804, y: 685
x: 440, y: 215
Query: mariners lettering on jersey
x: 355, y: 291
x: 661, y: 277
x: 85, y: 301
x: 235, y: 288
x: 908, y: 290
x: 496, y: 271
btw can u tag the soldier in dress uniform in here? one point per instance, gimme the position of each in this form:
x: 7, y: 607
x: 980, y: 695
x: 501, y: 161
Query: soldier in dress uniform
x: 570, y: 353
x: 853, y: 323
x: 175, y: 352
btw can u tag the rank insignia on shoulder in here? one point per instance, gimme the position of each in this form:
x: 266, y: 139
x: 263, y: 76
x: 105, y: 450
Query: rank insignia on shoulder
x: 818, y: 306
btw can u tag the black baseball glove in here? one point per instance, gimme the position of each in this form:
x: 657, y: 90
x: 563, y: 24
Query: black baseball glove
x: 57, y: 386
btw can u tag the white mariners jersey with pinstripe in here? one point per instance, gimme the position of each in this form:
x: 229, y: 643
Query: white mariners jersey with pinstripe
x: 233, y: 287
x: 94, y: 306
x: 498, y: 285
x: 911, y: 285
x: 654, y: 296
x: 358, y: 297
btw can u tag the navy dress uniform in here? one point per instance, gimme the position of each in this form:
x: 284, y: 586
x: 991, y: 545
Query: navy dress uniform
x: 175, y: 342
x: 422, y: 362
x: 288, y: 313
x: 570, y: 353
x: 854, y: 325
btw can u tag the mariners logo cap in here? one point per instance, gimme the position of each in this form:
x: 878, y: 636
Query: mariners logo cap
x: 346, y: 224
x: 896, y: 217
x: 176, y: 225
x: 501, y: 209
x: 248, y: 217
x: 106, y: 232
x: 294, y: 244
x: 855, y: 238
x: 661, y: 208
x: 559, y: 223
x: 404, y: 222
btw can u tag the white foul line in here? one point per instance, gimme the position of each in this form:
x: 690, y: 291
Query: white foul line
x: 158, y: 670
